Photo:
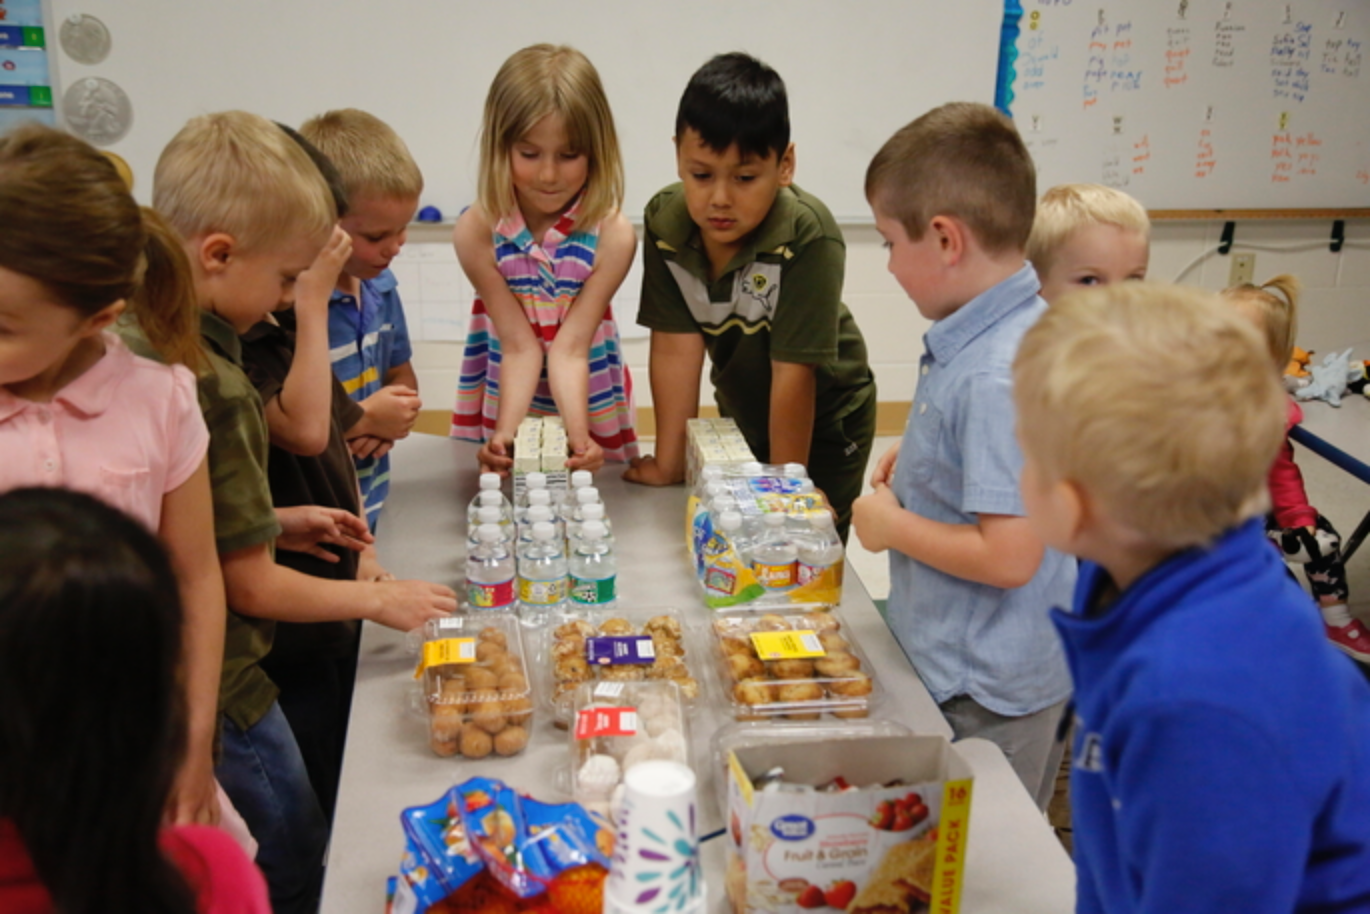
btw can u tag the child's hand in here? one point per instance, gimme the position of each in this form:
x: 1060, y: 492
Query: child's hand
x: 647, y: 472
x: 370, y: 446
x: 392, y: 411
x: 871, y: 515
x: 315, y: 285
x: 305, y: 528
x: 405, y: 605
x: 494, y: 455
x: 883, y: 473
x: 586, y: 456
x: 194, y: 796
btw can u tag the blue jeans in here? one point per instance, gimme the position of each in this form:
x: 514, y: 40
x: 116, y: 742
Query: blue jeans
x: 263, y: 774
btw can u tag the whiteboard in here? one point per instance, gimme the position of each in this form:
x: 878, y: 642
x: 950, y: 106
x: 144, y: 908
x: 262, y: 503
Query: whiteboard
x: 855, y: 72
x: 1199, y: 104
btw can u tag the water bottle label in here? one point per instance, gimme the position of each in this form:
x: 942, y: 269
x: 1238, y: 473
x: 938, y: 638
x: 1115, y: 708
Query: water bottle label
x: 542, y: 593
x: 810, y: 573
x: 593, y: 591
x: 490, y: 596
x: 774, y: 577
x: 605, y: 651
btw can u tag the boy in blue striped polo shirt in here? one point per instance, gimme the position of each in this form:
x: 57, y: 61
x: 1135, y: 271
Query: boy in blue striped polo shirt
x: 367, y: 334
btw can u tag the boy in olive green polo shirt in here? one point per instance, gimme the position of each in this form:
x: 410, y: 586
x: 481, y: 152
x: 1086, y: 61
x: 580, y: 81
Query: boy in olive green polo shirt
x: 742, y: 264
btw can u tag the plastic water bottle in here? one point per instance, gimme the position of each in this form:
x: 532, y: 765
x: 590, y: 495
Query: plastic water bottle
x: 489, y: 498
x: 820, y: 550
x: 774, y: 557
x: 574, y: 528
x: 488, y: 514
x: 586, y: 495
x: 541, y: 575
x: 490, y: 571
x: 532, y: 482
x: 730, y: 525
x: 539, y: 514
x: 489, y: 482
x: 594, y: 570
x: 580, y: 479
x: 795, y: 471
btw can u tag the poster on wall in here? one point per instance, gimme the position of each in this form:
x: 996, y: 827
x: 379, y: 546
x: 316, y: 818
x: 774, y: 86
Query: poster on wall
x: 25, y: 78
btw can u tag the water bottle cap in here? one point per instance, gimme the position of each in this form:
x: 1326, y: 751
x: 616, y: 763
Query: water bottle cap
x: 796, y: 469
x: 711, y: 472
x: 535, y: 480
x: 593, y: 512
x: 542, y: 530
x: 491, y: 497
x: 489, y: 533
x: 539, y: 513
x: 821, y: 519
x: 752, y: 468
x: 587, y: 495
x: 714, y: 489
x: 487, y: 514
x: 580, y: 478
x: 775, y: 520
x: 489, y: 481
x: 730, y: 520
x: 593, y: 530
x: 724, y: 503
x: 539, y: 497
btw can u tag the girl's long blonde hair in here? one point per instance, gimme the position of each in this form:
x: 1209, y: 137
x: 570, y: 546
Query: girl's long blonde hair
x: 1277, y: 303
x: 537, y: 81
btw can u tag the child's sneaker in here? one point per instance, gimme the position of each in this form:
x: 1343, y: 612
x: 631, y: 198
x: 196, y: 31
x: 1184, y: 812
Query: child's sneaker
x: 1352, y: 639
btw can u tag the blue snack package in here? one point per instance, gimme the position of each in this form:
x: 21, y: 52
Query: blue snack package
x: 438, y: 859
x: 494, y: 819
x: 566, y: 836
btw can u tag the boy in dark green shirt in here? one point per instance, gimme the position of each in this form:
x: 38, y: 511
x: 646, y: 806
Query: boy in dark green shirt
x: 741, y: 264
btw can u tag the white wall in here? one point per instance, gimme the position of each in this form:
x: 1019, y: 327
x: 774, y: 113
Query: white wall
x: 1336, y: 308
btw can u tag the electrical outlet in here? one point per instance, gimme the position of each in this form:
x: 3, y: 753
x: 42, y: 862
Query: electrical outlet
x: 1243, y: 269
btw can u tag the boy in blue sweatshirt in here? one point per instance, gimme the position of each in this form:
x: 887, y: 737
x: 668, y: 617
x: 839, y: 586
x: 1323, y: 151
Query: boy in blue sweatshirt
x: 1222, y: 746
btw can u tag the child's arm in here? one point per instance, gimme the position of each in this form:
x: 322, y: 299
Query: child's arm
x: 568, y: 359
x: 389, y: 414
x: 259, y: 587
x: 1001, y: 550
x: 675, y: 363
x: 403, y: 375
x: 299, y: 416
x: 187, y: 531
x: 305, y: 528
x: 791, y: 411
x: 520, y: 349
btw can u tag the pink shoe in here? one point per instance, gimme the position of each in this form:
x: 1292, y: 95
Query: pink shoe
x: 1352, y: 639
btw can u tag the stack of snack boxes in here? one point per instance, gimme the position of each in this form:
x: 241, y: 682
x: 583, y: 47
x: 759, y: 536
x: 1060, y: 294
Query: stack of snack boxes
x: 713, y: 441
x: 540, y: 447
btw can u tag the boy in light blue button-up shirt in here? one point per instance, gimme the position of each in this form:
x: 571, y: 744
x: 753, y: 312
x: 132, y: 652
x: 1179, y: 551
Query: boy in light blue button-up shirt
x: 970, y: 583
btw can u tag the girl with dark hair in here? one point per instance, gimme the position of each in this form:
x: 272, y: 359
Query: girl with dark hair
x: 92, y: 723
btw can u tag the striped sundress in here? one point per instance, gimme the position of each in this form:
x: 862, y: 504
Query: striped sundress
x: 546, y: 278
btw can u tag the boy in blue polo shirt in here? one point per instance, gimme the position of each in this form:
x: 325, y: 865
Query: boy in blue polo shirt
x: 954, y: 194
x: 1221, y: 759
x: 367, y: 334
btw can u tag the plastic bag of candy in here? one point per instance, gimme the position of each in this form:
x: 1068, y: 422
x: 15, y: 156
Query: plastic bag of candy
x: 482, y: 847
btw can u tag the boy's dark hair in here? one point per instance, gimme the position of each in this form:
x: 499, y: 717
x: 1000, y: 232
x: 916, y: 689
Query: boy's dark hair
x: 964, y: 160
x: 330, y: 172
x: 736, y: 98
x: 92, y: 722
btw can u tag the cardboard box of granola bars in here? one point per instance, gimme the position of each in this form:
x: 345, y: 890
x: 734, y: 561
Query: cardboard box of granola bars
x: 874, y: 825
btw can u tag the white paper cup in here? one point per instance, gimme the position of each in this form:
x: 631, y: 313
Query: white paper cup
x: 656, y: 867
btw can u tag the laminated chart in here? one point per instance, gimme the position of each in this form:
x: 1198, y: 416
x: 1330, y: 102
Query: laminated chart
x: 25, y: 78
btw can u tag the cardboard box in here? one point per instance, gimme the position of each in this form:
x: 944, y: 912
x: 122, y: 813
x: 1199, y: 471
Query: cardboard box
x: 893, y: 850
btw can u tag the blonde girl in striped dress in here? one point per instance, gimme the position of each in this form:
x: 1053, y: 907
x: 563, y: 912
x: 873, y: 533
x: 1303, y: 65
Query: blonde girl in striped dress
x: 546, y: 246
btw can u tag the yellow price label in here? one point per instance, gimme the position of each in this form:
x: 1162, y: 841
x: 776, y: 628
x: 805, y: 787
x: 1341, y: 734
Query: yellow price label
x: 446, y: 650
x: 787, y: 645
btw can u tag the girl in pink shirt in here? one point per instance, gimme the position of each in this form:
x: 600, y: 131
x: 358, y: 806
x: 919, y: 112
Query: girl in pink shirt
x: 92, y: 723
x: 79, y: 411
x: 1295, y: 526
